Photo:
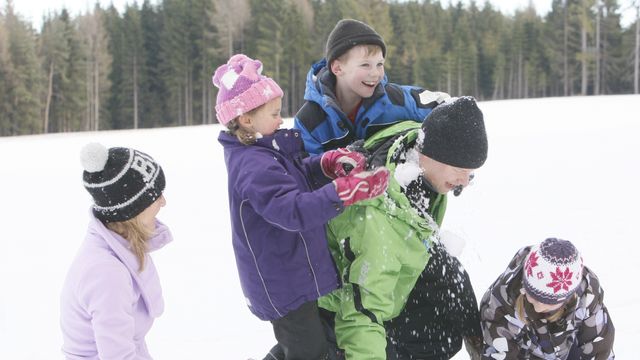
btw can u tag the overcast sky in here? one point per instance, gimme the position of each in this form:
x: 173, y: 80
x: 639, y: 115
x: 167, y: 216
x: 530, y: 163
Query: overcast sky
x: 34, y: 9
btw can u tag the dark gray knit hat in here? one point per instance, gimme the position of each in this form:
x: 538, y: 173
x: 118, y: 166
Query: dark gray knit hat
x: 122, y: 181
x: 348, y: 33
x: 454, y: 134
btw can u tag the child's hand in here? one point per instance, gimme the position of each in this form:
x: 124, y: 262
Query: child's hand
x: 362, y: 186
x: 341, y: 162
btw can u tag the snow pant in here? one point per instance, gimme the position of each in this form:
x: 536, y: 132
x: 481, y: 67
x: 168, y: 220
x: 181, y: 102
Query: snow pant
x: 328, y: 322
x: 440, y: 311
x: 300, y: 335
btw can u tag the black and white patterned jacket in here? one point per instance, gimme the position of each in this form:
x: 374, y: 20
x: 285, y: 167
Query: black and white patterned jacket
x: 585, y: 325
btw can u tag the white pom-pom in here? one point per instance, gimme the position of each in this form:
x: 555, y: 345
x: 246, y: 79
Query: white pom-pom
x: 93, y: 157
x: 452, y: 242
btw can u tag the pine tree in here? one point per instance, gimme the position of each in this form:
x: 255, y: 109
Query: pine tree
x: 613, y: 73
x: 95, y: 39
x: 154, y: 93
x: 296, y: 43
x: 267, y: 35
x: 119, y: 114
x: 20, y: 76
x: 177, y: 62
x: 231, y: 17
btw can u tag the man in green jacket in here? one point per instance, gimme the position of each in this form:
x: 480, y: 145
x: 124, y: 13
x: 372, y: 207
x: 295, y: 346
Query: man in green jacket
x: 392, y: 305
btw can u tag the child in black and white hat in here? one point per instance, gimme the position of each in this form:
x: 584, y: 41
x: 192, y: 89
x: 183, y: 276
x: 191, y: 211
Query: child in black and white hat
x: 545, y: 305
x: 112, y: 293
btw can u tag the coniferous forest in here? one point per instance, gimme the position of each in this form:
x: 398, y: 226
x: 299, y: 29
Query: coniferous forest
x: 150, y: 65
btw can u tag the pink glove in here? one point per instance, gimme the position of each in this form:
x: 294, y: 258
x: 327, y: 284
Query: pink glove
x: 362, y: 186
x: 340, y: 162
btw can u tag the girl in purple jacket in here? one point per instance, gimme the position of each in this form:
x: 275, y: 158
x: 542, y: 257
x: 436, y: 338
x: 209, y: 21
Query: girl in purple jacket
x: 112, y: 292
x: 280, y: 201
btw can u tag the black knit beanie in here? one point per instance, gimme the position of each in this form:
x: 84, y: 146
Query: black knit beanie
x: 454, y: 134
x: 348, y: 33
x: 122, y: 181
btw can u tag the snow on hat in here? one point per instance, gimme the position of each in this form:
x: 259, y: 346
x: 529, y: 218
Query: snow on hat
x: 349, y: 33
x: 122, y: 181
x: 552, y: 271
x: 454, y: 134
x: 242, y: 87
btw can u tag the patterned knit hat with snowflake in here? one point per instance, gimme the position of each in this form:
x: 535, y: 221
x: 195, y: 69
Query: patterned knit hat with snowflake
x: 242, y: 87
x: 552, y: 271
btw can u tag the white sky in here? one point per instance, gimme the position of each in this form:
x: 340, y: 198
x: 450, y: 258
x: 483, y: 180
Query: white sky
x: 34, y: 9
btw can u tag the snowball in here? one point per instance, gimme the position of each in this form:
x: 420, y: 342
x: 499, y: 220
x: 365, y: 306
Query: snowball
x: 452, y: 242
x: 93, y: 157
x: 408, y: 171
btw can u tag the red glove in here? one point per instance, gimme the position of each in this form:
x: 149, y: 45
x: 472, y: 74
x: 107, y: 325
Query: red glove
x: 362, y: 186
x: 338, y: 163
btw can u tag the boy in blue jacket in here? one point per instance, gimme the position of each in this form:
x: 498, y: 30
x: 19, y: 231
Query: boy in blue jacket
x: 347, y: 93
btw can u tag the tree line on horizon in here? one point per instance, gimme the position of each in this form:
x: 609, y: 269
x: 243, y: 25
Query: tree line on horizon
x: 150, y: 65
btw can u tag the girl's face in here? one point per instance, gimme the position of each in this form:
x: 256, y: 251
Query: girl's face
x: 542, y: 307
x: 359, y: 72
x: 148, y: 215
x: 266, y: 119
x: 442, y: 177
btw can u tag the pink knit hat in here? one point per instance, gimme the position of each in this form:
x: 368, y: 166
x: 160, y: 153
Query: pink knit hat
x: 242, y: 87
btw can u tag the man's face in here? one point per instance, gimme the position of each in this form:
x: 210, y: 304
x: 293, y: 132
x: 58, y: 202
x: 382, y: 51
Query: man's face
x: 359, y: 71
x: 442, y: 177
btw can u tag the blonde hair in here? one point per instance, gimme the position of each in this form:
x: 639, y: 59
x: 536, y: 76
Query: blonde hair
x: 370, y: 49
x: 134, y: 231
x: 245, y: 136
x: 555, y: 316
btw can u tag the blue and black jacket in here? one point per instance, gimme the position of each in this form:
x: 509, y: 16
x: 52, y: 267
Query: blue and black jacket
x: 324, y: 126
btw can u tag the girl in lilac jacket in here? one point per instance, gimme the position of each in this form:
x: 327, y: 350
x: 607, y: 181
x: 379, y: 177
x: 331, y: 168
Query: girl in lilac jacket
x: 112, y: 293
x: 280, y: 201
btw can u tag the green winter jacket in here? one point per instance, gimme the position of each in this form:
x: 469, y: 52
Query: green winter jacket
x: 380, y: 247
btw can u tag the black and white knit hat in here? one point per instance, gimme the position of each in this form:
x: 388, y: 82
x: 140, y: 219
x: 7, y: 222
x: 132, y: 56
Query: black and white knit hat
x: 122, y: 181
x: 454, y: 134
x: 349, y: 33
x: 552, y: 271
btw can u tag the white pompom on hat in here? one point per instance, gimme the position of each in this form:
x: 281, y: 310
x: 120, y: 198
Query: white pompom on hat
x: 93, y: 157
x: 552, y: 271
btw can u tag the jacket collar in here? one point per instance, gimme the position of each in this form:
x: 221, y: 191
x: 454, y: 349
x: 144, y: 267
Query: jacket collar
x: 284, y: 141
x: 146, y: 279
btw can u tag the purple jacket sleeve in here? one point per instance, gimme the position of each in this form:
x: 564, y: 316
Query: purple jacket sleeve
x: 277, y: 196
x: 314, y: 172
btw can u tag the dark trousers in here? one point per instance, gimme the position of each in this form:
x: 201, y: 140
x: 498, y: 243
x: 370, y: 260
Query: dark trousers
x: 441, y: 311
x: 574, y: 353
x: 300, y: 335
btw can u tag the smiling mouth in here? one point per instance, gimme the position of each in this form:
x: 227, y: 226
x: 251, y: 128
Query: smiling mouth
x: 370, y: 83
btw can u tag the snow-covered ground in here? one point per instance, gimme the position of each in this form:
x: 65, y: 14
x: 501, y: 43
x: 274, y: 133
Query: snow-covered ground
x: 561, y: 167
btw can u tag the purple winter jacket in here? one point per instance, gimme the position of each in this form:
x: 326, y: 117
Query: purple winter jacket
x: 107, y: 306
x: 278, y: 222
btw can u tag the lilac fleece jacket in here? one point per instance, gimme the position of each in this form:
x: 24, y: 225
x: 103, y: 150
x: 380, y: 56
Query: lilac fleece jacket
x: 107, y: 306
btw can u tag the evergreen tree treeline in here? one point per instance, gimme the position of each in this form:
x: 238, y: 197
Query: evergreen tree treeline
x: 151, y: 64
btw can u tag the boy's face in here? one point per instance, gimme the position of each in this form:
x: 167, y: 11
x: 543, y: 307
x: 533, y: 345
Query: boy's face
x: 358, y: 71
x: 442, y: 177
